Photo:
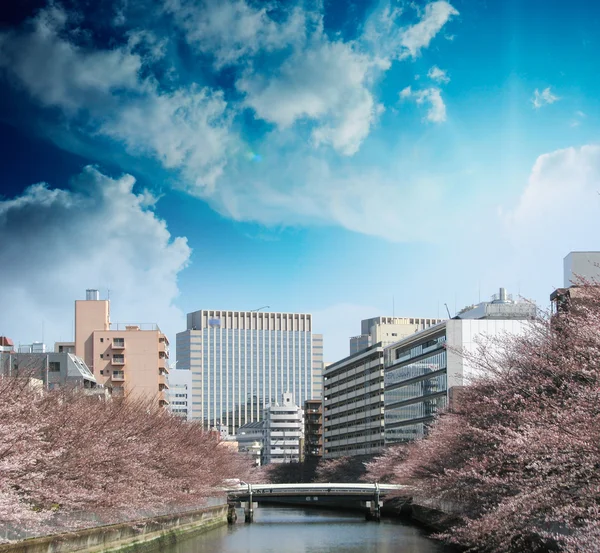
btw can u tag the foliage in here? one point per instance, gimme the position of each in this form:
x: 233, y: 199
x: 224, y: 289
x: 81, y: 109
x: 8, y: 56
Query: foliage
x: 63, y: 451
x: 518, y: 455
x: 342, y: 469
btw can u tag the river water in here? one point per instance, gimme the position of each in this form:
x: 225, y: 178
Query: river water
x: 296, y: 530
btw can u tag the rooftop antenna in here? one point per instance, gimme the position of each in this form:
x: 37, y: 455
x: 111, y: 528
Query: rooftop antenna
x: 259, y: 308
x: 448, y: 310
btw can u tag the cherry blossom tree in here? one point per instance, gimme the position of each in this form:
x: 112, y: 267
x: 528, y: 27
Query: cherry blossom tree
x: 63, y: 452
x: 518, y: 456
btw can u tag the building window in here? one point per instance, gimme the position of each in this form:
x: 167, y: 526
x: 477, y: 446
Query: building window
x: 54, y: 366
x: 102, y: 339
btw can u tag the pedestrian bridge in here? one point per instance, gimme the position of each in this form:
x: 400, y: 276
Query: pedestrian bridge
x: 370, y: 496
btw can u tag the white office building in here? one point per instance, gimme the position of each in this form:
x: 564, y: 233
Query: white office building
x: 180, y: 383
x: 423, y: 371
x: 243, y: 361
x: 283, y: 432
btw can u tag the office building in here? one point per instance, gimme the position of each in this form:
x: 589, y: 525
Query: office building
x: 353, y: 402
x: 242, y: 361
x: 387, y: 330
x: 129, y: 359
x: 424, y: 370
x: 353, y: 405
x: 283, y: 432
x: 313, y: 429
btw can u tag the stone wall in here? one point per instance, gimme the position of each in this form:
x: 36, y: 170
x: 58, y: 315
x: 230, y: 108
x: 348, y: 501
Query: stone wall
x: 140, y: 535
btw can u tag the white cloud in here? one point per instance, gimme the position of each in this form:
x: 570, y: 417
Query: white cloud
x: 97, y: 235
x: 60, y: 73
x: 543, y: 98
x: 439, y: 75
x: 560, y: 205
x: 436, y: 112
x: 188, y: 130
x: 391, y: 40
x: 418, y: 36
x: 231, y: 30
x: 327, y: 82
x: 406, y: 93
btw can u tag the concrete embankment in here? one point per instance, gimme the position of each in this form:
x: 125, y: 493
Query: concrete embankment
x: 135, y: 536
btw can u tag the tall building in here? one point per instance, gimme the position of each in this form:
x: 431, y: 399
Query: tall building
x: 283, y: 432
x: 353, y: 402
x: 353, y: 405
x: 129, y: 359
x: 424, y: 370
x: 387, y: 330
x: 242, y: 361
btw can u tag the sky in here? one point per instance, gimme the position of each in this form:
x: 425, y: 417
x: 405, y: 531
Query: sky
x: 348, y: 159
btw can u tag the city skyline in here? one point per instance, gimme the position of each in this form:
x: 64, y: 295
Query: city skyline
x: 348, y: 160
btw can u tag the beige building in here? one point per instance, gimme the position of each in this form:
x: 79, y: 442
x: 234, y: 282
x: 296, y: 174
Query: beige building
x: 128, y: 359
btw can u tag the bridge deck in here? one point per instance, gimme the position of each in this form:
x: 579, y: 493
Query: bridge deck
x: 299, y: 490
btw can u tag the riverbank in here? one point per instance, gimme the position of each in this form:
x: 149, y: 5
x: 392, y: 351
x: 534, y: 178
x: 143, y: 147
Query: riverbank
x: 145, y: 535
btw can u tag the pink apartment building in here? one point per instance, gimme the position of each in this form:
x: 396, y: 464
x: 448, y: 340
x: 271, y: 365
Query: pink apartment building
x: 130, y: 360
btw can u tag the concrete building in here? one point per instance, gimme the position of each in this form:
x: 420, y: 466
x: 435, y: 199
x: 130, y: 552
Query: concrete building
x: 250, y: 439
x: 64, y: 347
x: 54, y: 370
x: 36, y: 347
x: 426, y: 369
x: 179, y: 399
x: 241, y: 361
x: 6, y: 345
x: 313, y: 429
x: 353, y: 405
x: 129, y: 359
x: 387, y: 330
x: 283, y: 432
x: 578, y: 267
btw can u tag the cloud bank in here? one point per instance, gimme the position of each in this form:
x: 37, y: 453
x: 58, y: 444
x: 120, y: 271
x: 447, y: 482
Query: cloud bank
x: 99, y: 234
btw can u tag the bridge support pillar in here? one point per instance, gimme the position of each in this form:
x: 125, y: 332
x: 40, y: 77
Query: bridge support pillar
x: 231, y: 514
x: 374, y: 507
x: 248, y: 511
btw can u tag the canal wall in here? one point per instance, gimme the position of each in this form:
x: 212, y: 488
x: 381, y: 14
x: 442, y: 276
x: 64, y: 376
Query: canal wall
x: 135, y: 536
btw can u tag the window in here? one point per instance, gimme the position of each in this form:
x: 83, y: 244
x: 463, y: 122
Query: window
x: 102, y: 339
x: 54, y: 366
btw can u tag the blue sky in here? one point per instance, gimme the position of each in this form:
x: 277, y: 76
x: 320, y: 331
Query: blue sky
x: 338, y: 158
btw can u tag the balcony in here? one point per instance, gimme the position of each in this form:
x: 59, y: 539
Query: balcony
x: 117, y: 360
x: 163, y: 348
x: 118, y: 376
x: 163, y: 399
x: 118, y: 343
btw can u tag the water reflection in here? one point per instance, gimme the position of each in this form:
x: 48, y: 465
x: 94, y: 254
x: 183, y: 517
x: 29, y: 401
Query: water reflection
x: 293, y: 530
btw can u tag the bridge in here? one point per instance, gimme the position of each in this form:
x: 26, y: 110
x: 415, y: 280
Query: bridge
x: 370, y: 496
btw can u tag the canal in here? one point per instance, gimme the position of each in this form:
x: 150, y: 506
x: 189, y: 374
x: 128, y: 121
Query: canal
x: 296, y: 530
